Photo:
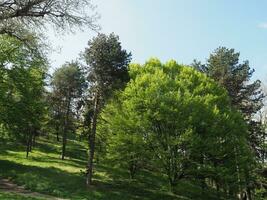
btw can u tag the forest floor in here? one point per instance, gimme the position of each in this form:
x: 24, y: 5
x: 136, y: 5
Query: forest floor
x: 44, y: 173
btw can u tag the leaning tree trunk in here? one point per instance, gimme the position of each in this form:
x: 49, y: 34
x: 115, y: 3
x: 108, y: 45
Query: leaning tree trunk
x: 91, y: 142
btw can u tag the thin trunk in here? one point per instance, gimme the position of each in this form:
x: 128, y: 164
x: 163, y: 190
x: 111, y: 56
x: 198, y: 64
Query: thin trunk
x: 173, y: 185
x: 29, y: 143
x: 202, y: 177
x: 57, y: 130
x: 65, y: 129
x: 34, y: 138
x: 217, y: 189
x: 249, y: 197
x: 64, y: 142
x: 91, y: 143
x: 238, y: 173
x: 132, y: 167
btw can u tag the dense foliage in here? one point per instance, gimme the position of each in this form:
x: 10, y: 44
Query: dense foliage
x: 180, y: 115
x: 21, y: 90
x: 198, y: 130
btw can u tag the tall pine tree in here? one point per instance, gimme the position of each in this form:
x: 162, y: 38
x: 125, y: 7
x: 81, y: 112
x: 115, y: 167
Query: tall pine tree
x: 107, y: 65
x: 223, y: 66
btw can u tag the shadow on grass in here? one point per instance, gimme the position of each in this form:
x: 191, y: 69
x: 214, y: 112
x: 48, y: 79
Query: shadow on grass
x: 57, y: 182
x: 73, y: 149
x: 60, y: 183
x: 15, y: 145
x: 53, y: 160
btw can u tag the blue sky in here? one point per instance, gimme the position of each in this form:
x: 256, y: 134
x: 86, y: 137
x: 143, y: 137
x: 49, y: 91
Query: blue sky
x: 178, y: 29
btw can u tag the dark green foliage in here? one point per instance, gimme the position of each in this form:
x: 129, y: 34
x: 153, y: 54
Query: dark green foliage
x: 68, y: 84
x: 107, y: 63
x: 224, y: 67
x: 246, y: 95
x: 68, y: 81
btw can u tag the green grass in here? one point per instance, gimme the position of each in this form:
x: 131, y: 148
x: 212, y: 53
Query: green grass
x: 46, y: 173
x: 11, y: 196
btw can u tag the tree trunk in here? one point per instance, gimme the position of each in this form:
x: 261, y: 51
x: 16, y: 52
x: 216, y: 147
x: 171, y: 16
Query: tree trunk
x: 249, y: 197
x: 217, y: 189
x: 57, y: 130
x: 202, y: 177
x: 64, y: 142
x: 132, y: 169
x: 91, y: 142
x: 34, y: 138
x: 65, y: 129
x: 173, y: 185
x: 29, y: 143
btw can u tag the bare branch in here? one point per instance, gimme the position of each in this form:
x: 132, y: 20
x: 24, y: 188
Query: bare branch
x: 37, y: 14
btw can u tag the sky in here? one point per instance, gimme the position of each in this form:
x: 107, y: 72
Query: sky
x: 182, y: 30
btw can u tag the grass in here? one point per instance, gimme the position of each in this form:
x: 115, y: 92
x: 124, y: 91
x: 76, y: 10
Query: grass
x: 10, y: 196
x: 46, y: 173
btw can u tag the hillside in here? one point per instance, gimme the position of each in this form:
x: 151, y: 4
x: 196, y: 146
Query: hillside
x: 46, y: 173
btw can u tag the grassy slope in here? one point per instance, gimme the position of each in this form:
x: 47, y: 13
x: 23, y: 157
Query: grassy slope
x: 44, y: 172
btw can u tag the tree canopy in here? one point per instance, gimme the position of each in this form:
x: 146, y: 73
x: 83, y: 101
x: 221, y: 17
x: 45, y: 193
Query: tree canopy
x: 181, y: 115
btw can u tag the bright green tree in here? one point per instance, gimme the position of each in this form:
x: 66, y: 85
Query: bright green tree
x: 125, y: 147
x: 186, y: 120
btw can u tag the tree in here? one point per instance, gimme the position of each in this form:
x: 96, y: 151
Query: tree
x: 182, y: 115
x: 19, y: 17
x: 124, y: 146
x: 68, y: 84
x: 263, y: 119
x: 22, y: 83
x: 107, y: 71
x: 246, y: 95
x: 224, y: 67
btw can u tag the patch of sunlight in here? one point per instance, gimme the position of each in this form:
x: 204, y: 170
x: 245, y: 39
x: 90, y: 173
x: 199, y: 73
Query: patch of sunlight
x: 39, y: 159
x: 103, y: 176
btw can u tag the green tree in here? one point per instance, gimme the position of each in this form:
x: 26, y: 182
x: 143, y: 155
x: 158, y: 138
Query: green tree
x: 68, y: 83
x: 22, y: 74
x: 107, y: 71
x: 125, y: 147
x: 224, y: 67
x: 182, y: 115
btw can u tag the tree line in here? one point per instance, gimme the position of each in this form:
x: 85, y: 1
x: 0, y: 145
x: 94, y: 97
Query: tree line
x: 201, y: 123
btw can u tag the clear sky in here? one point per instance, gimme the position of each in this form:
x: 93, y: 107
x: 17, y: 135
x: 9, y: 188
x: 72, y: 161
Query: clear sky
x: 178, y: 29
